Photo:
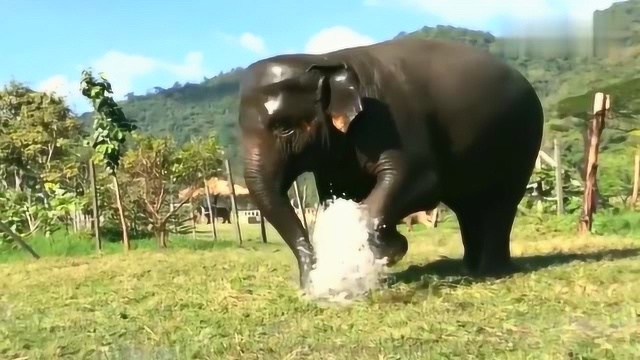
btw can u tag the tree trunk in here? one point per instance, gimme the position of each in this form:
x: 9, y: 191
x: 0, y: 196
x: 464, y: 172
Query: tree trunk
x: 30, y: 220
x: 161, y: 236
x: 74, y: 221
x: 161, y: 224
x: 15, y: 237
x: 96, y: 210
x: 171, y: 207
x: 214, y: 233
x: 123, y: 221
x: 587, y: 136
x: 193, y: 221
x: 590, y: 187
x: 636, y: 179
x: 234, y: 206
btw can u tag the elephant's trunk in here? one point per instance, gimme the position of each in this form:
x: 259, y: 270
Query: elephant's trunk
x: 268, y: 179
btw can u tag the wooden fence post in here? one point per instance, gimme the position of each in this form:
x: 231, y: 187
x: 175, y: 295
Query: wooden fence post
x: 213, y: 216
x: 96, y: 210
x: 234, y: 206
x: 601, y: 105
x: 193, y: 219
x: 559, y: 185
x: 636, y: 179
x: 263, y: 229
x: 539, y: 204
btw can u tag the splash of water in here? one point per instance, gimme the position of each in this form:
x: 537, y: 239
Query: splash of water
x: 345, y: 265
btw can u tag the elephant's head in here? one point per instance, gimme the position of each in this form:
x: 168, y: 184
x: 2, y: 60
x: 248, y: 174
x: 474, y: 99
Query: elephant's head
x: 289, y: 108
x: 295, y: 105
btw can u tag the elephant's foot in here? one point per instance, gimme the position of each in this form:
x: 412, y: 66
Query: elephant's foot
x: 471, y: 262
x: 496, y: 268
x: 388, y: 243
x: 306, y: 261
x: 478, y: 262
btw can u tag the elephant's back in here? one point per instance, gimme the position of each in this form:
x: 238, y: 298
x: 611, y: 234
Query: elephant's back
x: 480, y: 116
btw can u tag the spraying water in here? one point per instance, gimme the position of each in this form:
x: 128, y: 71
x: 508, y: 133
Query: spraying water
x: 345, y: 265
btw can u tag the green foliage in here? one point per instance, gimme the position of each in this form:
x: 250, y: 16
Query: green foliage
x: 110, y: 123
x: 155, y: 169
x: 39, y: 148
x: 623, y: 101
x: 198, y: 159
x: 609, y: 221
x: 25, y: 216
x: 38, y: 135
x: 480, y: 39
x: 615, y: 175
x: 13, y: 206
x: 543, y: 188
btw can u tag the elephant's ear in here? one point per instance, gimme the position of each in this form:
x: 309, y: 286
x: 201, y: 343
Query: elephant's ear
x: 338, y: 93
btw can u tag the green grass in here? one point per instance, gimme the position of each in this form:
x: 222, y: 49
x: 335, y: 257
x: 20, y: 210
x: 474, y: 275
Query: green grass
x: 577, y: 299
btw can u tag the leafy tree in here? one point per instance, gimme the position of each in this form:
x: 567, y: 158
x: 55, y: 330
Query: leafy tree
x: 155, y: 166
x: 39, y: 137
x: 200, y: 159
x: 110, y: 128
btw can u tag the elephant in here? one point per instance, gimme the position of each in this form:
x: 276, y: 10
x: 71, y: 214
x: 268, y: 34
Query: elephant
x: 218, y: 212
x: 398, y: 126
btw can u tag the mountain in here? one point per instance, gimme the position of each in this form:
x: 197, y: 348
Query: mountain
x: 554, y: 68
x: 616, y: 28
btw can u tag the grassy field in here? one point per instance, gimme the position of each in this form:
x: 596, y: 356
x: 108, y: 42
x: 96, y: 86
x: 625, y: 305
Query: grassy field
x: 578, y: 298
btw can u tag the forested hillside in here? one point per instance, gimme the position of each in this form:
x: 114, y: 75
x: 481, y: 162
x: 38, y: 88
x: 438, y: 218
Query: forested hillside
x: 561, y: 77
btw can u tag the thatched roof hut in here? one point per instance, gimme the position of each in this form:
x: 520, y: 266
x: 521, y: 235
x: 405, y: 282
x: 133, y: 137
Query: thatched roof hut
x: 216, y: 187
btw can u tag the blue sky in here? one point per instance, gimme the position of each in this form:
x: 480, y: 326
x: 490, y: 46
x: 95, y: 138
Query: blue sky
x: 141, y: 44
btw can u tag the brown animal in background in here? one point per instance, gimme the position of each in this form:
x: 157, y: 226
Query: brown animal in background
x: 427, y: 218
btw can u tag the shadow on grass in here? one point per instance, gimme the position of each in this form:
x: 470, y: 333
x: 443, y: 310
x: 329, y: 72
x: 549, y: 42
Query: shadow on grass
x: 453, y: 273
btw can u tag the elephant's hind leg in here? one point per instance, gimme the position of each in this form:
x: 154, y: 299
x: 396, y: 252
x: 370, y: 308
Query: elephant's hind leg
x: 485, y: 228
x: 472, y: 237
x: 497, y: 222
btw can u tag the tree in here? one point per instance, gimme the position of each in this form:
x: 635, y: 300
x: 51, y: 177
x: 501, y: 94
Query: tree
x: 110, y: 128
x: 200, y: 159
x: 39, y: 139
x: 154, y: 166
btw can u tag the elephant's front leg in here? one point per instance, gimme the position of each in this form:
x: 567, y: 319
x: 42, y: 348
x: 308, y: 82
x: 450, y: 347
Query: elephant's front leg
x: 398, y: 193
x: 385, y: 207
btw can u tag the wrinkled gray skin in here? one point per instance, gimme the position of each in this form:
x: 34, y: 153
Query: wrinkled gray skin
x: 400, y: 126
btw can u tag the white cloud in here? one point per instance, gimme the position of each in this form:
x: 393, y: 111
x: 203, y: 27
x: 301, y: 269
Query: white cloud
x: 122, y: 70
x: 191, y: 70
x: 335, y: 38
x: 247, y: 40
x: 519, y: 14
x: 252, y: 42
x: 61, y: 86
